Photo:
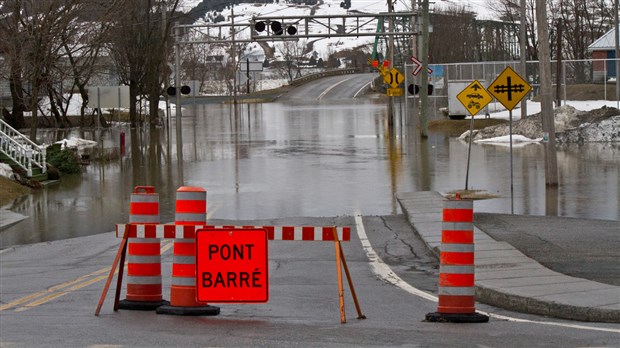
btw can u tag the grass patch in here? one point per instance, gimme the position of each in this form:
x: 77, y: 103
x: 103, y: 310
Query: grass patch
x: 455, y: 128
x: 11, y: 190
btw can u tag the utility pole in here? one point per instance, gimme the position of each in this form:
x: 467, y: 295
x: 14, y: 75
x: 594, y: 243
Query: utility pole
x: 424, y: 72
x: 177, y: 82
x: 617, y: 39
x: 234, y: 58
x: 523, y: 49
x: 391, y: 48
x: 558, y: 67
x: 548, y: 125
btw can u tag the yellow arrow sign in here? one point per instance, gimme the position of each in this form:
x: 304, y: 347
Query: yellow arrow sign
x: 509, y: 88
x: 474, y: 97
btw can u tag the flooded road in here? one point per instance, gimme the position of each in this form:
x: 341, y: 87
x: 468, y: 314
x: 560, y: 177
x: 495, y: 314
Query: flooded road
x: 291, y: 160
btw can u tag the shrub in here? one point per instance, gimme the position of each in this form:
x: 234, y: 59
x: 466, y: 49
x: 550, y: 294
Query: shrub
x: 64, y: 160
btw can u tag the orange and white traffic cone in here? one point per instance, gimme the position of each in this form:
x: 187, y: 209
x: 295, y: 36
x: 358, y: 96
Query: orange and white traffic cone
x: 456, y: 265
x: 144, y: 255
x: 191, y: 209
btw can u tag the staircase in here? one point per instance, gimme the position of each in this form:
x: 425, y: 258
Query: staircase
x: 18, y: 149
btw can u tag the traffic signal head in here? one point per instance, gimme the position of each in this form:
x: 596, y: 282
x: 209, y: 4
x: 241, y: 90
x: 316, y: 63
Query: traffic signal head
x: 276, y: 28
x: 415, y: 89
x: 259, y: 26
x: 185, y: 89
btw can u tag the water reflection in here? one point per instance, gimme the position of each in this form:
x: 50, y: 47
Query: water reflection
x: 287, y: 160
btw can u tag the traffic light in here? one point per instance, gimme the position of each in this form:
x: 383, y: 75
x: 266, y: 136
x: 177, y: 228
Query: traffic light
x: 276, y: 27
x: 260, y: 27
x: 346, y: 4
x: 172, y: 91
x: 415, y: 89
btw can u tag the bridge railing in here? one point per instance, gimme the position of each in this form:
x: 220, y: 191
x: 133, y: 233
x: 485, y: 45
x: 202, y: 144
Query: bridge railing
x: 23, y: 151
x: 315, y: 76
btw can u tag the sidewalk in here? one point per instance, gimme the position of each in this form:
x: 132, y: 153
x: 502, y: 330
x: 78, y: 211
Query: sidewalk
x: 507, y: 278
x: 9, y: 218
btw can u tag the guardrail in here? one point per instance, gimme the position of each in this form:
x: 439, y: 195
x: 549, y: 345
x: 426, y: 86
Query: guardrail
x: 19, y: 148
x: 315, y: 76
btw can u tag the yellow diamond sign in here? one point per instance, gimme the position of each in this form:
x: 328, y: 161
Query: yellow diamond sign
x: 474, y: 97
x: 509, y: 88
x: 393, y: 78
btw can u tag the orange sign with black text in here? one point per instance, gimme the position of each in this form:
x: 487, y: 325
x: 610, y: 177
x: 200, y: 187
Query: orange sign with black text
x: 232, y: 265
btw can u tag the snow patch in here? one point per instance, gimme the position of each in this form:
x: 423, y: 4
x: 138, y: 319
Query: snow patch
x: 76, y: 143
x: 6, y: 170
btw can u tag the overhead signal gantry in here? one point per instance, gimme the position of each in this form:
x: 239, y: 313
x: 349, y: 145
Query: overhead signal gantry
x: 283, y: 28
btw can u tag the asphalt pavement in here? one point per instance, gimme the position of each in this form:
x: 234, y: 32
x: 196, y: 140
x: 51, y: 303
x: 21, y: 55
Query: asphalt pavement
x: 559, y: 267
x: 509, y: 250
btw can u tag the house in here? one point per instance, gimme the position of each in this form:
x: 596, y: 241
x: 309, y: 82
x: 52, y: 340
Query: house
x: 604, y: 48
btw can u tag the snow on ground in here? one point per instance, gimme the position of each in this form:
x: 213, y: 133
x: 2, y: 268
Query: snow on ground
x: 76, y: 143
x: 6, y: 170
x: 534, y: 108
x: 575, y: 122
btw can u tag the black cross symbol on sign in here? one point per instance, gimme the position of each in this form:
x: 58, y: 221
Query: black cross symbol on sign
x: 509, y: 88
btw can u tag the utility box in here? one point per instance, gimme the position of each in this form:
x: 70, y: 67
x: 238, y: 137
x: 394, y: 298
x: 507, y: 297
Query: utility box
x: 456, y: 110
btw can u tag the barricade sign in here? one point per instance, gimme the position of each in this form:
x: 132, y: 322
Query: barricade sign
x: 224, y: 264
x: 232, y: 265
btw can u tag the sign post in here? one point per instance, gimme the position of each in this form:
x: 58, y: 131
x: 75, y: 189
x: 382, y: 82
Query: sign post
x: 232, y: 265
x: 474, y: 98
x: 509, y: 88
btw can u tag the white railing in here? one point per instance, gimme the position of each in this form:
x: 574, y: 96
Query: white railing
x: 20, y: 149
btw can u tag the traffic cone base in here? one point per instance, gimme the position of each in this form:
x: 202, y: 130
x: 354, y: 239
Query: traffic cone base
x: 141, y: 305
x: 457, y: 317
x: 192, y: 311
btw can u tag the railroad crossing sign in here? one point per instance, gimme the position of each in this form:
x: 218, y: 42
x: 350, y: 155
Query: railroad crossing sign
x: 393, y: 78
x: 474, y: 97
x: 232, y: 265
x: 509, y: 88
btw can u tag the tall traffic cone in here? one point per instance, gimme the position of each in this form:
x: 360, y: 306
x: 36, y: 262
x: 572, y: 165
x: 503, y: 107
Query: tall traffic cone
x: 456, y: 265
x: 144, y: 255
x: 191, y: 209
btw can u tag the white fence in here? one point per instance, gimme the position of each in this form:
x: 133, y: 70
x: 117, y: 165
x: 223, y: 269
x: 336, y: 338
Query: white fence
x: 21, y: 149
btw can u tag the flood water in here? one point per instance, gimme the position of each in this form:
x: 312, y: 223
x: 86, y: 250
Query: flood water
x: 283, y: 160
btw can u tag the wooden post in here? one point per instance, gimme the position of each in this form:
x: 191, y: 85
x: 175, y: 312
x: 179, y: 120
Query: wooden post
x: 119, y: 278
x: 340, y: 259
x: 343, y: 317
x: 120, y: 254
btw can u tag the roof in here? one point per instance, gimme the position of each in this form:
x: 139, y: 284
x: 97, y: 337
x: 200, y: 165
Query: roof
x: 605, y: 42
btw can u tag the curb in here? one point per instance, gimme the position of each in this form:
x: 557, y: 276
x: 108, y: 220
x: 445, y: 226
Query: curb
x: 508, y: 276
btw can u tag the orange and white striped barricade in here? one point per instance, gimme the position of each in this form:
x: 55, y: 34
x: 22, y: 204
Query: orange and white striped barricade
x: 456, y: 265
x: 191, y: 210
x: 180, y: 294
x: 144, y: 289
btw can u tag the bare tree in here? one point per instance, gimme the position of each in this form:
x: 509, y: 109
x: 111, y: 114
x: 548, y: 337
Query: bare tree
x: 583, y: 21
x: 84, y: 46
x: 11, y: 39
x: 141, y: 45
x: 454, y: 36
x: 292, y: 58
x: 35, y: 41
x: 508, y: 10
